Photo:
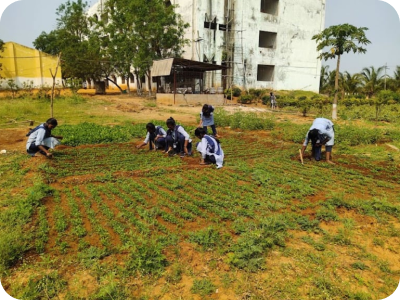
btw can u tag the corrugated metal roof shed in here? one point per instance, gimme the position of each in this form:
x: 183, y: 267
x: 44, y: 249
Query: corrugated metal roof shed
x: 163, y: 67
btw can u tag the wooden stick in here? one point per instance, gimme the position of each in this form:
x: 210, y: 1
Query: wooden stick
x: 301, y: 156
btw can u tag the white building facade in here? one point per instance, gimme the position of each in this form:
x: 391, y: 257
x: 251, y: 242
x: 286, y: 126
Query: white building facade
x: 265, y: 43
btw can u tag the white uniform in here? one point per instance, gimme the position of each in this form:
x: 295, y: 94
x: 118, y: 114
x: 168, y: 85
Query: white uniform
x: 324, y: 127
x: 205, y: 148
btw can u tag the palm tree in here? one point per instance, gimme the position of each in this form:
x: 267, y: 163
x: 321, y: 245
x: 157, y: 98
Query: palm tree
x: 394, y: 82
x: 372, y: 79
x: 324, y: 78
x: 340, y: 39
x: 351, y: 83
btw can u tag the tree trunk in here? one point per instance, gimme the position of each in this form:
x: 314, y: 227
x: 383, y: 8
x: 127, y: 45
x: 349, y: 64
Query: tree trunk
x: 54, y: 84
x: 334, y: 105
x: 149, y: 82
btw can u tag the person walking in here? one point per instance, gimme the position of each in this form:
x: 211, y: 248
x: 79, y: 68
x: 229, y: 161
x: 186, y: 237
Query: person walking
x: 209, y: 148
x: 207, y: 118
x: 321, y: 132
x: 40, y: 139
x: 156, y: 135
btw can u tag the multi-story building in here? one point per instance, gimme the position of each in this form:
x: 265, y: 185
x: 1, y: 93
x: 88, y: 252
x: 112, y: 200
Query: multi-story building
x: 265, y: 43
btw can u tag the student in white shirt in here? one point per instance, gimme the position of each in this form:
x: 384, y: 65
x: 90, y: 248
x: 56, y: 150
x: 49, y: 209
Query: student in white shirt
x: 178, y: 140
x: 320, y: 133
x: 156, y: 136
x: 41, y: 140
x: 209, y: 148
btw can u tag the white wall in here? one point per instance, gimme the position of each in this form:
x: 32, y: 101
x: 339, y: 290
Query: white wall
x: 295, y: 55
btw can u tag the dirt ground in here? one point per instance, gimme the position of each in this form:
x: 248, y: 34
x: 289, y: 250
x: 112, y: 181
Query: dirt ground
x: 142, y: 110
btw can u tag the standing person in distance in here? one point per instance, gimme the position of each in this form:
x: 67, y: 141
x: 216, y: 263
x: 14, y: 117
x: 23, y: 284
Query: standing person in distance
x: 209, y: 148
x: 156, y: 135
x: 272, y: 97
x: 207, y: 118
x: 41, y: 140
x: 178, y: 140
x: 320, y: 133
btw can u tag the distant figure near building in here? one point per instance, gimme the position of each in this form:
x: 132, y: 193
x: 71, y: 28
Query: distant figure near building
x: 273, y: 100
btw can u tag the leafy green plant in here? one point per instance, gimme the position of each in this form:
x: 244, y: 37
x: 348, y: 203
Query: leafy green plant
x: 203, y: 287
x: 146, y: 257
x: 208, y: 238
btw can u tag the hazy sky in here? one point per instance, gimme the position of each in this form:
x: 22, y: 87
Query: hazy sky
x: 24, y: 20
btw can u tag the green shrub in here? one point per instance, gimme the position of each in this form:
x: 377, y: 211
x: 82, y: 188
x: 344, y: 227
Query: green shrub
x: 245, y: 99
x: 235, y: 92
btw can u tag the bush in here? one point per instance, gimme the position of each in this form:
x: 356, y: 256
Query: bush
x: 235, y: 92
x: 245, y: 99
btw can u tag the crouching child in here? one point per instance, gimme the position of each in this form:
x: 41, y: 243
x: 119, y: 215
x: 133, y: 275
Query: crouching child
x: 155, y: 137
x: 178, y: 140
x: 40, y: 139
x: 209, y: 148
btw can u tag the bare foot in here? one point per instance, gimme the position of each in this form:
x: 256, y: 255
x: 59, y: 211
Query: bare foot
x: 330, y: 162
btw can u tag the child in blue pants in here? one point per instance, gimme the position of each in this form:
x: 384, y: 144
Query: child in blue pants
x: 178, y: 140
x: 207, y: 118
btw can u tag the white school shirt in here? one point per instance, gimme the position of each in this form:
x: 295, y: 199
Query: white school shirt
x: 183, y: 132
x: 36, y: 137
x: 324, y: 127
x: 204, y: 149
x: 161, y: 132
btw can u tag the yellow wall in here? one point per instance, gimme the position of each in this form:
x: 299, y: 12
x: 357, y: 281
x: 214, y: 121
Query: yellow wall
x: 23, y: 64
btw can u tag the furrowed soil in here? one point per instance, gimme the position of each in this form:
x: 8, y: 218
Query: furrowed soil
x: 350, y: 251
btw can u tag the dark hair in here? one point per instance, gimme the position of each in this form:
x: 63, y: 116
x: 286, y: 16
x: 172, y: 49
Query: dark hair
x: 199, y: 132
x: 313, y: 135
x: 206, y: 110
x: 52, y: 121
x: 171, y: 121
x: 150, y: 127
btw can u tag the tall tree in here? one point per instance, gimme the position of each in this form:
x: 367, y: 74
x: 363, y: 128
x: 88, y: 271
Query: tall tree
x: 82, y: 57
x: 159, y: 33
x: 340, y: 39
x: 117, y: 36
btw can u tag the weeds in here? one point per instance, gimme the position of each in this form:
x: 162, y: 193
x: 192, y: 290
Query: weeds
x: 203, y: 287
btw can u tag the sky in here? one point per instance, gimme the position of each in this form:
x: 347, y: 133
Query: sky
x: 23, y: 21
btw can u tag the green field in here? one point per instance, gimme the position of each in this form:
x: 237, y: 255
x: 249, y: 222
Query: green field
x: 103, y: 220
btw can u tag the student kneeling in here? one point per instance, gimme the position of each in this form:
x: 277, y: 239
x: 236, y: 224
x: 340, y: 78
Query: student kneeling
x: 41, y: 140
x: 156, y: 136
x: 210, y: 149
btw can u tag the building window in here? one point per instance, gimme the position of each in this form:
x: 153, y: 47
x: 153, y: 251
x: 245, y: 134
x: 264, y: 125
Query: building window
x: 131, y: 78
x: 267, y: 39
x: 265, y: 72
x: 123, y: 79
x: 270, y: 7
